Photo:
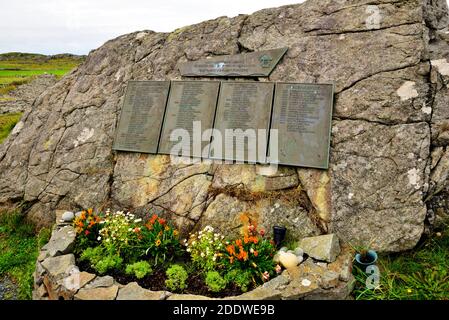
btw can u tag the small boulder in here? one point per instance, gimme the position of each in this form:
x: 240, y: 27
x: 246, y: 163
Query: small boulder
x: 132, y: 291
x: 68, y: 216
x: 288, y: 260
x: 59, y: 267
x: 62, y: 241
x: 323, y: 248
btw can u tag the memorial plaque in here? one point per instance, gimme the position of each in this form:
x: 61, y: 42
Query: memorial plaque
x: 302, y: 113
x: 189, y: 101
x: 243, y: 106
x: 141, y: 117
x: 255, y: 64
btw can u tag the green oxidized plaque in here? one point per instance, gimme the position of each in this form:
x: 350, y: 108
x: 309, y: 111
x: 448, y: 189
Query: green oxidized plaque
x: 253, y: 64
x: 141, y: 117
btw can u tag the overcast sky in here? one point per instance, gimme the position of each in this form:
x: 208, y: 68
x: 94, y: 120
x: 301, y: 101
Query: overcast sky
x: 78, y: 26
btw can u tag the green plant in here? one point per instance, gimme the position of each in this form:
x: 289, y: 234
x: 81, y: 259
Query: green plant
x: 110, y: 262
x: 363, y: 249
x: 159, y: 240
x: 241, y: 278
x: 420, y: 274
x: 87, y: 226
x: 101, y: 260
x: 252, y: 253
x: 176, y: 278
x: 139, y: 269
x: 19, y: 248
x: 205, y: 248
x: 7, y: 124
x: 120, y: 234
x: 215, y: 282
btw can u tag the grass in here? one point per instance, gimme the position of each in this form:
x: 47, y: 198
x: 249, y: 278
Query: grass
x: 19, y: 248
x: 420, y: 274
x: 7, y: 123
x: 20, y: 68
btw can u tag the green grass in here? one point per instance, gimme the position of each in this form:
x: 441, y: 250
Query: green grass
x: 19, y: 248
x: 19, y: 68
x: 420, y: 274
x: 7, y: 123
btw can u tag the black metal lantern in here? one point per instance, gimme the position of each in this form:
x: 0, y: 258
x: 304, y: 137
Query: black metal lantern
x: 279, y: 235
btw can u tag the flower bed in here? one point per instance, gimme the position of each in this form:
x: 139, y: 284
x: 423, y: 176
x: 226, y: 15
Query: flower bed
x: 150, y: 252
x: 117, y: 255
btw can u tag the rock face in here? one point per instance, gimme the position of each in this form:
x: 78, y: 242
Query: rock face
x: 22, y: 98
x: 389, y: 61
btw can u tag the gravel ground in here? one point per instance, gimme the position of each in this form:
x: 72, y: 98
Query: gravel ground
x: 8, y: 289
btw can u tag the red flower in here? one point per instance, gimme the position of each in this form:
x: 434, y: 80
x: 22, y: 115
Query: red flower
x: 161, y: 220
x: 262, y: 232
x: 86, y: 232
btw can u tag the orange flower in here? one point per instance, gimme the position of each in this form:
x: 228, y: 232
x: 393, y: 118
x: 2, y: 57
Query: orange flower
x: 158, y: 243
x: 159, y: 234
x: 175, y: 232
x: 255, y: 240
x: 256, y: 253
x: 238, y: 242
x: 246, y: 239
x: 91, y: 223
x: 153, y: 219
x: 89, y: 211
x: 161, y: 220
x: 230, y: 249
x: 231, y: 260
x: 243, y: 255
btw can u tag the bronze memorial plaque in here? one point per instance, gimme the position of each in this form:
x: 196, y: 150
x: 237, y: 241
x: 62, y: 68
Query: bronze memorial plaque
x: 243, y: 107
x: 302, y: 113
x: 141, y: 116
x: 254, y: 64
x: 189, y: 101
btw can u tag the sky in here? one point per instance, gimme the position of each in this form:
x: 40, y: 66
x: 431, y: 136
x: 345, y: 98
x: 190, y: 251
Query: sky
x: 78, y: 26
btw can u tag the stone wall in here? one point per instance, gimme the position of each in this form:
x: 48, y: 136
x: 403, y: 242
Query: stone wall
x: 326, y: 275
x: 390, y: 126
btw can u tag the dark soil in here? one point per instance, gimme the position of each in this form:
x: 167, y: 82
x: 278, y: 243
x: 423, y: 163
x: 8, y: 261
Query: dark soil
x: 156, y: 282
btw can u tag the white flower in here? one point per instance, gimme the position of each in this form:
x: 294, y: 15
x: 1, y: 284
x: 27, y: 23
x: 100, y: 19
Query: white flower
x: 99, y: 238
x: 188, y: 249
x: 193, y: 243
x: 130, y: 229
x: 137, y: 220
x: 214, y: 258
x: 202, y: 254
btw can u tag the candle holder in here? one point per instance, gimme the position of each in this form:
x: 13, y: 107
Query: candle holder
x: 279, y: 235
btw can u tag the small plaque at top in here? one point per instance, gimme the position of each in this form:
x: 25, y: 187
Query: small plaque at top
x: 253, y: 64
x: 141, y: 116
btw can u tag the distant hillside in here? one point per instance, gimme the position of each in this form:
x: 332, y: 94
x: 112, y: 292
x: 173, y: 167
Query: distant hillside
x: 17, y: 68
x: 38, y: 57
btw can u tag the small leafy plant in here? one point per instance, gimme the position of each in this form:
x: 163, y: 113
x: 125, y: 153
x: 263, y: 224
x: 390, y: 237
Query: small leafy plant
x: 241, y: 278
x: 159, y: 240
x: 205, y: 248
x: 100, y: 260
x: 215, y: 282
x: 176, y: 278
x: 139, y: 269
x: 253, y: 253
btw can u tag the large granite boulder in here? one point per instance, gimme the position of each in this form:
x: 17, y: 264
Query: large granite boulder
x: 389, y: 61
